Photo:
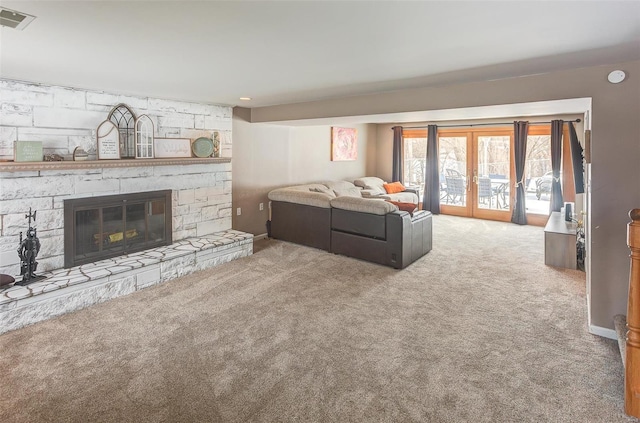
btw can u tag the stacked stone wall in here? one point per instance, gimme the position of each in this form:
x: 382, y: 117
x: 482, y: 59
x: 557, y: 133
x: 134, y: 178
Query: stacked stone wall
x: 65, y: 118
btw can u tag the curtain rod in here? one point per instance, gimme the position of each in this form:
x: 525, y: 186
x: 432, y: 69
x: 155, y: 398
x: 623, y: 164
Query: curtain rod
x: 470, y: 125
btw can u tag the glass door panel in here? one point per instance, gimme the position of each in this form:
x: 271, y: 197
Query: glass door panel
x: 476, y: 173
x: 453, y: 171
x: 156, y: 224
x: 135, y: 232
x: 87, y: 233
x: 415, y: 157
x: 492, y: 172
x: 538, y: 174
x: 112, y: 229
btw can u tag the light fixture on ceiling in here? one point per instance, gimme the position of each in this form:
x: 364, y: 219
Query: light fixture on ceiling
x: 245, y: 98
x: 616, y: 77
x: 14, y: 19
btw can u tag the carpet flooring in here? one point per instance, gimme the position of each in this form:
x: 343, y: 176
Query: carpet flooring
x: 478, y: 330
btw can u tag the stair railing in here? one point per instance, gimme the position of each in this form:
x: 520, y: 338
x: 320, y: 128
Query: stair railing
x: 632, y: 355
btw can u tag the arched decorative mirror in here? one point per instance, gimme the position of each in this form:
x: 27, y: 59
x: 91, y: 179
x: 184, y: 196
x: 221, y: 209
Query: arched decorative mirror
x: 144, y: 137
x: 122, y: 116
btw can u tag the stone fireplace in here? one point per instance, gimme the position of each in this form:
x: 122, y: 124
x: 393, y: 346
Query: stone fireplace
x: 114, y: 225
x: 135, y: 224
x: 63, y: 118
x: 200, y: 191
x: 197, y: 218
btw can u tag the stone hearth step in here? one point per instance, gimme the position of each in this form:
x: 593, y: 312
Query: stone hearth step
x: 67, y: 290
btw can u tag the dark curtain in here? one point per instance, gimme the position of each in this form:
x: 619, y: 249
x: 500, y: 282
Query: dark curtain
x: 520, y: 130
x: 431, y: 199
x: 556, y: 158
x: 398, y: 157
x: 576, y: 159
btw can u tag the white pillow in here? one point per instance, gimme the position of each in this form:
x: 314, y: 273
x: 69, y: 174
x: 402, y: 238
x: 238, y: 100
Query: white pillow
x: 339, y: 185
x: 371, y: 183
x: 364, y: 205
x: 347, y: 192
x: 323, y: 190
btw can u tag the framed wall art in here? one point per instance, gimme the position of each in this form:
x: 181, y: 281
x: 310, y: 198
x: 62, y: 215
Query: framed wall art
x: 172, y: 147
x: 27, y: 151
x: 344, y: 144
x: 108, y: 140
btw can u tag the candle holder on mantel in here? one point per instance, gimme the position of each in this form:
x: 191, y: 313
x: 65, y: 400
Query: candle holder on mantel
x: 28, y: 251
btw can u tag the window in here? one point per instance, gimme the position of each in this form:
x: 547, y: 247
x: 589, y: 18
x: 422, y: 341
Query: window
x: 538, y: 174
x: 471, y: 157
x: 415, y: 157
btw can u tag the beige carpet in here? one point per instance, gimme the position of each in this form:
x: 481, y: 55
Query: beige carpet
x: 479, y: 330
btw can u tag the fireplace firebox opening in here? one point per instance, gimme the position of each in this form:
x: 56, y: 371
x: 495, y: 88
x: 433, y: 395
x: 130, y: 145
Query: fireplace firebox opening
x: 97, y: 228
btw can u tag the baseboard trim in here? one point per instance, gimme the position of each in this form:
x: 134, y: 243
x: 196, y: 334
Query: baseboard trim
x: 604, y: 332
x: 259, y: 237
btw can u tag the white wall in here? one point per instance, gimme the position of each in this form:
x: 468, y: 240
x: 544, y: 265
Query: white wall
x: 270, y: 156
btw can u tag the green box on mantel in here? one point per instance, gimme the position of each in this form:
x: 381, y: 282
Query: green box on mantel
x: 27, y: 151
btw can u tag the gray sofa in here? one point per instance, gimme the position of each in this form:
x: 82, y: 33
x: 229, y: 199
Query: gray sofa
x: 336, y: 217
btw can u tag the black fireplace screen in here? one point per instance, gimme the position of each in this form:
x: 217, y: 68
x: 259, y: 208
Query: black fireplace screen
x: 96, y: 228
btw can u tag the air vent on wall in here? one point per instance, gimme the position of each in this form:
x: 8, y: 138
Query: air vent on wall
x: 13, y: 19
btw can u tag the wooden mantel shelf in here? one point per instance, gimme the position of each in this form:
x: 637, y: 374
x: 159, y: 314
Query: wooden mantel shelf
x: 103, y: 164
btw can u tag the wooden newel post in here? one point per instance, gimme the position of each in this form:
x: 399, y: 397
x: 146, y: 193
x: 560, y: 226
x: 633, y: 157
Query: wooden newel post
x: 632, y: 359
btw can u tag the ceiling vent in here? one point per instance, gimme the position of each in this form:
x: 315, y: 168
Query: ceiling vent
x: 14, y: 19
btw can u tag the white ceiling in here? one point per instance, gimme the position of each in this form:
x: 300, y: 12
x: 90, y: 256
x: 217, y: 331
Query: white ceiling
x: 287, y: 52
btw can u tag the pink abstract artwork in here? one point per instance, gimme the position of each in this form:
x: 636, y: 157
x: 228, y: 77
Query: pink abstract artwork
x: 344, y: 144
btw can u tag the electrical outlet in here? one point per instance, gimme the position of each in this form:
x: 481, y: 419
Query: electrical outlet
x: 261, y: 206
x: 239, y: 211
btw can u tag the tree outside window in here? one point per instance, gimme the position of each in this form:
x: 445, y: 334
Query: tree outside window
x: 415, y: 157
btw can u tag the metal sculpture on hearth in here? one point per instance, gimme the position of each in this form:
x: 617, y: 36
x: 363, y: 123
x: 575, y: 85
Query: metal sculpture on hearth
x: 28, y: 251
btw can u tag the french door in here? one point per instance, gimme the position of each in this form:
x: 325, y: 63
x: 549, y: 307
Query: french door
x: 476, y: 173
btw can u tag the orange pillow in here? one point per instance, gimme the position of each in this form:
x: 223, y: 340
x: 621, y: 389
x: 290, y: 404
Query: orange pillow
x: 408, y: 207
x: 393, y: 187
